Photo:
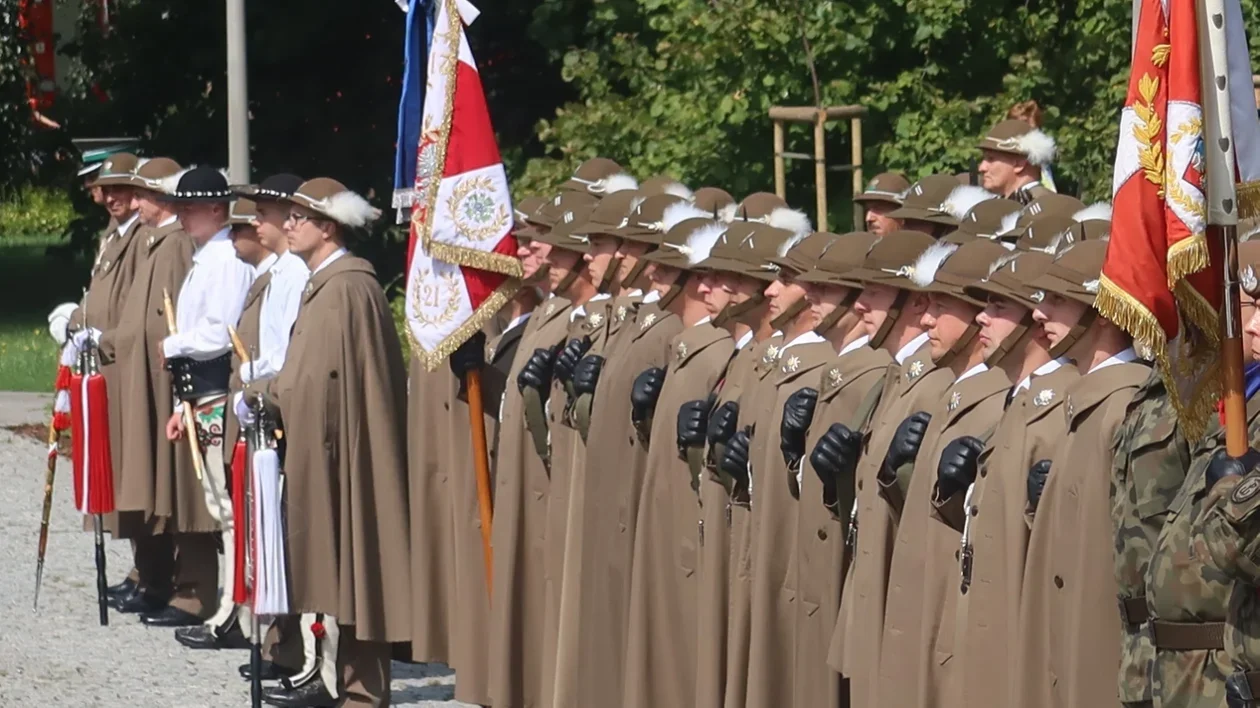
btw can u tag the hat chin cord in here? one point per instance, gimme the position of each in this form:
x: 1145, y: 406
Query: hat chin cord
x: 894, y: 314
x: 1014, y: 343
x: 734, y: 312
x: 567, y: 282
x: 674, y: 290
x: 605, y: 283
x: 837, y: 314
x: 1074, y: 335
x: 635, y: 272
x: 789, y: 314
x: 966, y: 338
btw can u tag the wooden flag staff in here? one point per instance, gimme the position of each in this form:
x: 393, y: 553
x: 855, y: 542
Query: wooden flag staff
x: 481, y: 458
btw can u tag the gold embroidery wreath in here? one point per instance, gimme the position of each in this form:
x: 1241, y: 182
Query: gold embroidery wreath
x: 495, y: 226
x: 450, y: 284
x: 1151, y: 155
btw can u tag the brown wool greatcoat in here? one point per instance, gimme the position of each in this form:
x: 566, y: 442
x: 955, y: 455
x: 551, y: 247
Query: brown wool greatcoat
x: 156, y: 477
x: 430, y: 452
x: 988, y: 612
x: 470, y: 625
x: 821, y: 557
x: 519, y: 533
x: 1069, y: 627
x: 342, y: 399
x: 774, y: 518
x: 660, y: 648
x: 917, y: 648
x: 564, y: 511
x: 915, y: 385
x: 248, y: 329
x: 593, y: 631
x: 758, y: 389
x: 713, y: 573
x: 112, y: 276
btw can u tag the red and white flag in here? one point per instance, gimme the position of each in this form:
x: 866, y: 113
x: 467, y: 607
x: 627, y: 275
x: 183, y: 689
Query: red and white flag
x: 1162, y: 280
x: 462, y: 264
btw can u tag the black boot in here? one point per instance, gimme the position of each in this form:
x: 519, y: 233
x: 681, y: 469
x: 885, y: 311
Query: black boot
x: 139, y: 602
x: 205, y: 637
x: 312, y: 694
x: 170, y: 617
x: 271, y: 671
x: 121, y: 589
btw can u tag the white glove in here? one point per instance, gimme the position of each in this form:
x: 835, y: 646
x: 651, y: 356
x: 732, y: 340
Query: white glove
x: 59, y: 320
x: 81, y: 337
x: 247, y: 372
x: 260, y: 371
x: 244, y: 413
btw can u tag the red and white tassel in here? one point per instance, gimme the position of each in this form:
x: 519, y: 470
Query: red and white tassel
x: 91, y: 454
x: 61, y: 388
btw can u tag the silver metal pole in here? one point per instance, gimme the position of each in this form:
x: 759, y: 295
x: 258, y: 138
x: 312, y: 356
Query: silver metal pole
x: 238, y: 94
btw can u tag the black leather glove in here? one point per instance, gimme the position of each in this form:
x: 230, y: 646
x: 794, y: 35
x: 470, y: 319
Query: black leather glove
x: 722, y: 423
x: 471, y: 355
x: 905, y: 443
x: 644, y: 394
x: 536, y: 373
x: 586, y: 375
x: 735, y: 459
x: 1222, y: 465
x: 693, y: 421
x: 569, y: 357
x: 957, y: 467
x: 835, y: 456
x: 798, y: 413
x: 1037, y: 482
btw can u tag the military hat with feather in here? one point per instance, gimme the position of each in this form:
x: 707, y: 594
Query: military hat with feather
x: 1016, y: 137
x: 599, y: 176
x: 334, y: 201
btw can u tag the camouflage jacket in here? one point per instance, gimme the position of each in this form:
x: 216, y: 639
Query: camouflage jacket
x: 1150, y: 465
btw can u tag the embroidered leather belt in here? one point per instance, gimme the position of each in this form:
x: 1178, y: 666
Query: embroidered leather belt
x: 194, y: 379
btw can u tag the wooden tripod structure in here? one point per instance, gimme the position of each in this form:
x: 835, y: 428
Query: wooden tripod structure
x: 819, y: 118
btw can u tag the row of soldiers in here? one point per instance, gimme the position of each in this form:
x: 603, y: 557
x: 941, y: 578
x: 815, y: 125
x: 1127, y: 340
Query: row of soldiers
x: 742, y: 463
x: 736, y: 462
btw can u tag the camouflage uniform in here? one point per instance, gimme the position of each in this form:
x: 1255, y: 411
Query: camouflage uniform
x: 1149, y: 468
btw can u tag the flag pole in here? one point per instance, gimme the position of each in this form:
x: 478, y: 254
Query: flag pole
x: 1236, y: 443
x: 481, y: 460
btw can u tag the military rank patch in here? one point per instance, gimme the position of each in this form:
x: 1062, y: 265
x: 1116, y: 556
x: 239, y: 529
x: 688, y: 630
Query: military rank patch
x: 1246, y: 490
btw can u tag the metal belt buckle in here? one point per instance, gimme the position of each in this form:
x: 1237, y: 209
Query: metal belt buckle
x: 1238, y: 691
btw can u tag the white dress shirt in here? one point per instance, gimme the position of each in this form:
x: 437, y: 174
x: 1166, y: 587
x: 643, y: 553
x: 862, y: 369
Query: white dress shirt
x: 1124, y: 357
x: 265, y: 265
x: 168, y: 221
x: 1047, y: 368
x: 211, y: 298
x: 973, y: 371
x: 856, y: 344
x: 519, y: 319
x: 651, y: 297
x: 810, y: 337
x: 744, y: 340
x: 279, y: 311
x: 907, y: 351
x: 329, y: 260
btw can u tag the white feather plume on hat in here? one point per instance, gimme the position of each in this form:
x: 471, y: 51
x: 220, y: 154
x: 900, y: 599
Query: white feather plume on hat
x: 351, y: 209
x: 930, y: 261
x: 790, y: 219
x: 170, y: 184
x: 680, y: 190
x: 1008, y: 223
x: 964, y: 198
x: 1100, y: 211
x: 788, y: 243
x: 728, y: 212
x: 700, y: 243
x: 675, y: 214
x: 612, y: 184
x: 1039, y: 147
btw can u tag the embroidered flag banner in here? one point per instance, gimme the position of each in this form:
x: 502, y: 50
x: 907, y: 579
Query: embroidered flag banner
x: 462, y: 255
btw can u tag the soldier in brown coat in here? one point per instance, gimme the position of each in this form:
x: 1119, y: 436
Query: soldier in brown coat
x: 893, y: 317
x: 883, y: 195
x: 917, y: 646
x: 660, y: 650
x: 1068, y: 651
x: 986, y: 594
x: 1013, y: 154
x: 340, y: 396
x: 847, y: 395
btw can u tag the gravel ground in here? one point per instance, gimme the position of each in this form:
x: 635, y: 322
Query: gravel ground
x: 62, y: 656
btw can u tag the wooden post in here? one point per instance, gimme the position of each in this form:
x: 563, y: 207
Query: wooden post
x: 780, y: 179
x: 820, y: 167
x: 855, y: 131
x: 481, y: 461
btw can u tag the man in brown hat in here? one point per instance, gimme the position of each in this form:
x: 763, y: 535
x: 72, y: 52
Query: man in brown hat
x: 157, y: 493
x: 893, y: 315
x: 995, y: 536
x: 343, y: 372
x: 1012, y: 156
x: 917, y: 626
x: 660, y: 648
x: 847, y: 391
x: 923, y: 206
x: 599, y: 176
x: 882, y: 196
x: 1067, y: 652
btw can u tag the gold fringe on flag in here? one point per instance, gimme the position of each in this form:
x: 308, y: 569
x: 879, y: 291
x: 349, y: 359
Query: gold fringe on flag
x: 1187, y: 257
x: 432, y: 360
x: 1248, y: 196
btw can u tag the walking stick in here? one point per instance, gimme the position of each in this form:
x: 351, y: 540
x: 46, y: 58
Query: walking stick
x: 53, y: 436
x: 190, y: 422
x: 481, y: 458
x: 255, y: 438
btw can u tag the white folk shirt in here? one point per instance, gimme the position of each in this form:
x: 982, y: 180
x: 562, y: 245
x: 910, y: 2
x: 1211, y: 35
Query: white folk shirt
x: 211, y: 298
x: 279, y: 311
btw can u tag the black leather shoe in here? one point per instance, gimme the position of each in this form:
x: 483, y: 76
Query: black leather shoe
x: 170, y: 617
x: 126, y: 587
x: 203, y: 637
x: 140, y: 602
x: 270, y: 671
x: 311, y: 694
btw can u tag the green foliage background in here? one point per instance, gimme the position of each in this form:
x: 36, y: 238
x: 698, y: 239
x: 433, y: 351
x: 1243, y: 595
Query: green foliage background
x: 663, y: 86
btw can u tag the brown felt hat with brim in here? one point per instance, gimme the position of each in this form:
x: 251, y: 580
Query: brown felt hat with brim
x: 1011, y: 277
x: 924, y: 200
x: 804, y: 255
x: 611, y: 213
x: 1041, y: 208
x: 665, y: 184
x: 599, y: 176
x: 688, y: 243
x: 521, y: 211
x: 746, y: 249
x: 646, y: 221
x: 713, y: 200
x: 242, y: 212
x: 847, y: 252
x: 334, y: 201
x: 1075, y: 272
x: 562, y: 234
x: 886, y: 187
x: 119, y: 170
x: 160, y: 175
x: 1016, y: 137
x: 552, y: 211
x: 891, y: 259
x: 755, y: 207
x: 948, y: 269
x: 984, y: 220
